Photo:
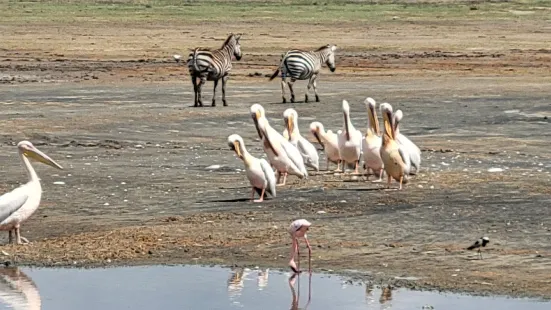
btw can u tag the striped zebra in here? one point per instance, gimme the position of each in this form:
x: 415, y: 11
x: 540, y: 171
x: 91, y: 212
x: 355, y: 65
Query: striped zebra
x: 213, y: 65
x: 303, y: 65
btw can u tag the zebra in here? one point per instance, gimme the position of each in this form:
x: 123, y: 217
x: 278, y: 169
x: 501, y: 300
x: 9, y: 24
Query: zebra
x: 302, y: 65
x: 213, y: 65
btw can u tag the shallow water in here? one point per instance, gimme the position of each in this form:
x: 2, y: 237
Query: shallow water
x: 194, y: 287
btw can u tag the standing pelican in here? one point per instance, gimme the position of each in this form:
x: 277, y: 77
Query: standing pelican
x: 259, y: 172
x: 395, y: 158
x: 17, y: 290
x: 350, y: 140
x: 298, y: 230
x: 329, y: 143
x: 281, y: 153
x: 371, y: 144
x: 413, y: 151
x: 307, y: 150
x: 18, y: 205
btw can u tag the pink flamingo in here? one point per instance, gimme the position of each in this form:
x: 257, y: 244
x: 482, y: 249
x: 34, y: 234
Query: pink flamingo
x: 298, y: 230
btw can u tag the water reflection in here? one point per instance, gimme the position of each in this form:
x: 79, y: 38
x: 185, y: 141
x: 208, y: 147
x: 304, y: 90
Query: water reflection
x: 236, y: 283
x: 296, y: 297
x: 262, y: 279
x: 385, y: 299
x: 195, y: 287
x: 18, y: 290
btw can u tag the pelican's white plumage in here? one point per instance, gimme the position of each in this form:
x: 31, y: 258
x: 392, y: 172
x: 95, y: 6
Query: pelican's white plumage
x: 371, y: 143
x: 258, y: 171
x: 307, y: 150
x: 328, y: 141
x: 281, y: 153
x: 349, y: 140
x: 412, y: 149
x: 394, y: 156
x: 18, y: 205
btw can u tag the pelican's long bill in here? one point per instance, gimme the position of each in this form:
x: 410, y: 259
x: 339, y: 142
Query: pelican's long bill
x: 255, y: 117
x: 316, y: 134
x: 373, y: 120
x: 264, y: 132
x: 237, y: 148
x: 34, y: 153
x: 290, y: 125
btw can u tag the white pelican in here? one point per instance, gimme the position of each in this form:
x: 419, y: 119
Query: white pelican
x: 413, y: 151
x: 307, y: 150
x: 328, y: 141
x: 281, y: 153
x: 371, y: 144
x: 259, y: 172
x: 17, y: 290
x: 350, y: 140
x: 395, y: 158
x: 18, y: 205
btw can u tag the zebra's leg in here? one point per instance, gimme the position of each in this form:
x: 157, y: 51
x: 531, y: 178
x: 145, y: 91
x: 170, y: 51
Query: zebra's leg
x: 194, y: 82
x: 308, y: 88
x: 224, y: 82
x: 214, y: 93
x: 203, y: 80
x: 315, y: 85
x: 283, y: 82
x: 290, y: 84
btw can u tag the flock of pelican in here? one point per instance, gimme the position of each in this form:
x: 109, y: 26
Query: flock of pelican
x: 388, y: 152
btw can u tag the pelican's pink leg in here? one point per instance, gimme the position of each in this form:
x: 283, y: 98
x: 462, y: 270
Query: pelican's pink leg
x: 252, y: 194
x: 309, y: 254
x: 284, y: 178
x: 261, y: 196
x: 338, y: 166
x: 10, y: 237
x: 356, y: 172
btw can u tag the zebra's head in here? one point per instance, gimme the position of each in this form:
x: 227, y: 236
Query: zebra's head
x: 233, y: 43
x: 330, y: 61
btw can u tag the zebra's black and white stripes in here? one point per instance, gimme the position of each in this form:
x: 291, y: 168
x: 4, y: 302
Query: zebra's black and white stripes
x: 304, y: 65
x: 208, y: 65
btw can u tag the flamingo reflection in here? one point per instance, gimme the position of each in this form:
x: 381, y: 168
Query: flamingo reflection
x: 296, y: 297
x: 17, y: 290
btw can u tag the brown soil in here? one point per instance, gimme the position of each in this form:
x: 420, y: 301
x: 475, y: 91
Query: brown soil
x: 116, y: 114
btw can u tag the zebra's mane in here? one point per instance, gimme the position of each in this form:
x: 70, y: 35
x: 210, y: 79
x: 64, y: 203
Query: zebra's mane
x: 228, y: 39
x: 322, y: 48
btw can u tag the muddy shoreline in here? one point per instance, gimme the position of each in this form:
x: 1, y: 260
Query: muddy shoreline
x: 137, y: 188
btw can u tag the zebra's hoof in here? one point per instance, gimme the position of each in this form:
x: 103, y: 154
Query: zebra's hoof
x: 225, y: 103
x: 292, y: 99
x: 284, y: 100
x: 213, y: 103
x: 317, y: 99
x: 305, y: 99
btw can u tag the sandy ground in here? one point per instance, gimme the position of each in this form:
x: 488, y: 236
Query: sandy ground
x: 137, y: 190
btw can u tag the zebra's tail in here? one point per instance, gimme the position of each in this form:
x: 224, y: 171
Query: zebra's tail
x: 275, y: 74
x: 194, y: 61
x: 278, y: 68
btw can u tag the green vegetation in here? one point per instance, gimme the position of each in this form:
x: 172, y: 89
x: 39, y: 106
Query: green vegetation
x: 302, y: 11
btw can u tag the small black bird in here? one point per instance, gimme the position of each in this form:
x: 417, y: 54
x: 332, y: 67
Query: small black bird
x: 480, y: 243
